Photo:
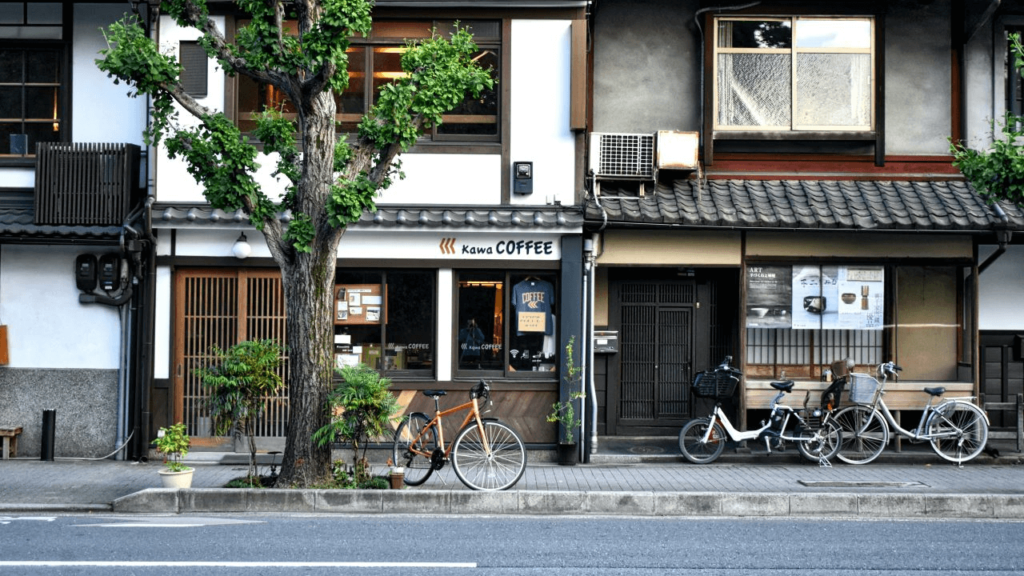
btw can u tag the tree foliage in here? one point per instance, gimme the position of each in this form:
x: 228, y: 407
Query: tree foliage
x: 299, y: 48
x: 997, y: 172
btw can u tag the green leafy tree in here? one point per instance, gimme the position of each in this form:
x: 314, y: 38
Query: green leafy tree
x: 362, y: 408
x: 239, y: 382
x: 998, y: 171
x: 330, y: 180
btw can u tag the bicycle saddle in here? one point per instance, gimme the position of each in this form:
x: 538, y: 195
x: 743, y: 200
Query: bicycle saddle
x: 939, y: 391
x: 434, y: 393
x: 786, y: 386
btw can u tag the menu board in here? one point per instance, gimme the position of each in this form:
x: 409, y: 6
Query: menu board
x: 357, y: 304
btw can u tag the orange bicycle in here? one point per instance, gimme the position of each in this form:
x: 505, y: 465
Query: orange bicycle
x: 486, y: 454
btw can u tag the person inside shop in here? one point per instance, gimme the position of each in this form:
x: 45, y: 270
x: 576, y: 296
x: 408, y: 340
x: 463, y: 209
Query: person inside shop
x: 471, y: 341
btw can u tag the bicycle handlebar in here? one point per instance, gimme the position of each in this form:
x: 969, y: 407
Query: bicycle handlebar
x: 481, y: 390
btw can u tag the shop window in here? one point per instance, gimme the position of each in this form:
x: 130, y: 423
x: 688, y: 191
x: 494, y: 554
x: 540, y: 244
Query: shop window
x: 386, y: 320
x: 32, y: 77
x: 507, y: 324
x: 374, y: 62
x: 793, y: 74
x: 803, y: 317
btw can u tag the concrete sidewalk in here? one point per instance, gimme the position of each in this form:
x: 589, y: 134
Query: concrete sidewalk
x: 907, y: 485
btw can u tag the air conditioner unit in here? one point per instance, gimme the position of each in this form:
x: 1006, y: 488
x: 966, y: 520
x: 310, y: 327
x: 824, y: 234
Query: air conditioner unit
x: 622, y: 156
x: 639, y: 156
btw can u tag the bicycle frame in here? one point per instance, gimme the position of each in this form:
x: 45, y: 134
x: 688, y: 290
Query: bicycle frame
x: 918, y: 434
x: 718, y: 415
x: 436, y: 422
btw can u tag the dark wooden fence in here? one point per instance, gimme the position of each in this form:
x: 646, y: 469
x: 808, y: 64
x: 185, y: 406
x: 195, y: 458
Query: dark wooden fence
x: 83, y: 184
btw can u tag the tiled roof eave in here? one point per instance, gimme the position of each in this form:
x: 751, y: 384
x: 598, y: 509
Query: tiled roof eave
x: 872, y: 206
x: 389, y: 218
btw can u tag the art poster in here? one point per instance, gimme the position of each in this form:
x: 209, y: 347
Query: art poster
x: 861, y: 292
x: 815, y: 297
x: 769, y: 296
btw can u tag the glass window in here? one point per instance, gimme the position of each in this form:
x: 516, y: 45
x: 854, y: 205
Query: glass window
x: 379, y: 56
x: 31, y: 94
x: 789, y: 74
x: 507, y: 323
x: 1013, y: 77
x: 386, y: 320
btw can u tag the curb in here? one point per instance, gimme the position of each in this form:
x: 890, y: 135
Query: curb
x: 655, y: 504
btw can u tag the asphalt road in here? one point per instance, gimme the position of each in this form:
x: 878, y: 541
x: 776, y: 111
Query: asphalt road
x: 251, y: 544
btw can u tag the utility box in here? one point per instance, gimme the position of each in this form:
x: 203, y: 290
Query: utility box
x: 606, y: 341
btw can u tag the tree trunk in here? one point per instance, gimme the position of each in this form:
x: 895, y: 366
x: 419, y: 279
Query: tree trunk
x: 308, y: 281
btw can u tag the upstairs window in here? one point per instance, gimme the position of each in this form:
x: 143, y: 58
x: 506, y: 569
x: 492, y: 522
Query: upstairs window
x: 375, y: 61
x: 794, y: 74
x: 32, y: 77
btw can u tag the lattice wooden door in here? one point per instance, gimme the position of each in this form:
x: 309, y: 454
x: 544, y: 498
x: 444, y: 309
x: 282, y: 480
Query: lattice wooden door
x: 221, y: 308
x: 657, y: 353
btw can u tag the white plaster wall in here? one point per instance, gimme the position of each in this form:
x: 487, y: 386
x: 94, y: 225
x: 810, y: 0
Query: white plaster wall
x: 433, y: 179
x: 1001, y: 289
x: 162, y: 321
x: 102, y: 110
x: 541, y: 54
x: 47, y: 327
x: 981, y: 105
x: 216, y: 243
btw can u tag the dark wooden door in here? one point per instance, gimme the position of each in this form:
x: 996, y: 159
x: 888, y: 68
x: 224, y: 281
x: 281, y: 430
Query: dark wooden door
x: 657, y: 356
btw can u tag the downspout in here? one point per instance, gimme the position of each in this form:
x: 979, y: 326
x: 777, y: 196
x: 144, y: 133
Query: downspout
x: 1003, y: 237
x: 589, y: 266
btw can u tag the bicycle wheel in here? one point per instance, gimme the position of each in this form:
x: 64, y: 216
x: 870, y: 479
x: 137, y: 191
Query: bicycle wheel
x: 415, y: 458
x: 692, y: 445
x: 959, y: 431
x: 865, y: 434
x: 500, y: 469
x: 825, y: 444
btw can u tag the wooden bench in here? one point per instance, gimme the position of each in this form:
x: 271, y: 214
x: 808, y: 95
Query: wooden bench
x: 10, y: 436
x: 1017, y: 407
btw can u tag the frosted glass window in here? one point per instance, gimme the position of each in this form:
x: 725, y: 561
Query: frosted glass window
x: 754, y: 90
x: 833, y: 90
x: 795, y: 73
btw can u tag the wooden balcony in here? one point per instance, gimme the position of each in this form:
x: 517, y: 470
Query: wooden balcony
x: 79, y: 184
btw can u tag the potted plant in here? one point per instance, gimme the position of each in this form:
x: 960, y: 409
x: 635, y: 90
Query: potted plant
x: 564, y: 413
x: 173, y: 443
x: 396, y: 475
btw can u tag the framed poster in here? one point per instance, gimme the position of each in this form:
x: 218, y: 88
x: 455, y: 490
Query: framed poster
x: 357, y: 304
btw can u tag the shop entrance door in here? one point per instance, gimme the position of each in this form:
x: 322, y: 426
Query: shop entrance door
x: 657, y: 328
x: 221, y: 308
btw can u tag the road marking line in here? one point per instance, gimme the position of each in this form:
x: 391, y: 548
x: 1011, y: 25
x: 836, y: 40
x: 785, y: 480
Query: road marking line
x: 138, y: 564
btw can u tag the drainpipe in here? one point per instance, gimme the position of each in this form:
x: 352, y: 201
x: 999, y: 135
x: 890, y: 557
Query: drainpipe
x: 589, y: 266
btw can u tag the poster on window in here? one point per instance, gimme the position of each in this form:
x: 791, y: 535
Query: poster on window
x: 769, y: 296
x: 861, y: 297
x: 815, y: 297
x: 357, y: 304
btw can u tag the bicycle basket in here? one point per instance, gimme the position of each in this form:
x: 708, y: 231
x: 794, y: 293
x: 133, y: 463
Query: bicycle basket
x: 715, y: 383
x: 862, y: 388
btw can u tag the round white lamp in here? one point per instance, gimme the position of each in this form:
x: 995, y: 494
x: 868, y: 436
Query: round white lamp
x: 241, y: 248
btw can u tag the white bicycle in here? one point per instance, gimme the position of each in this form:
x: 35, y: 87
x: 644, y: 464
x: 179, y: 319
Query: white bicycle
x: 702, y: 440
x: 955, y: 427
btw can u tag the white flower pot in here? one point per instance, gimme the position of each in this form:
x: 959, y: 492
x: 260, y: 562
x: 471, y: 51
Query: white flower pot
x: 177, y: 479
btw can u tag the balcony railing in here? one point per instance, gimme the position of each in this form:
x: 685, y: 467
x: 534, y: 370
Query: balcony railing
x: 85, y: 184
